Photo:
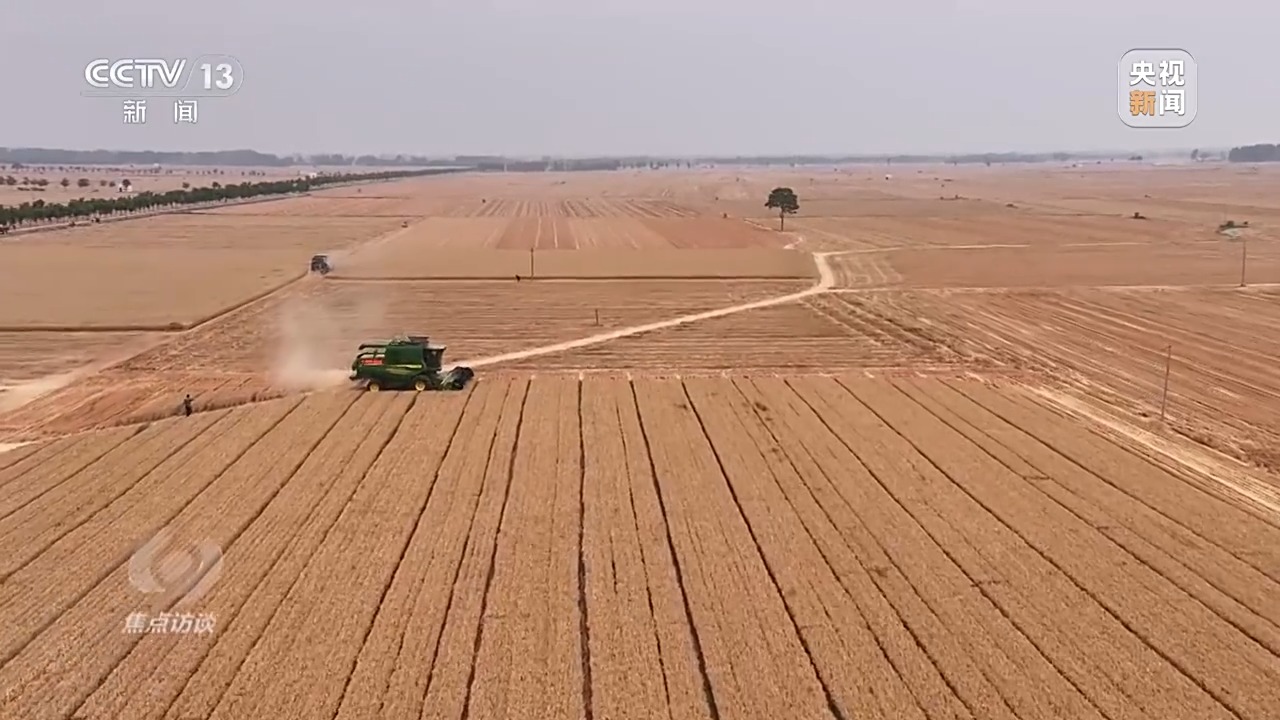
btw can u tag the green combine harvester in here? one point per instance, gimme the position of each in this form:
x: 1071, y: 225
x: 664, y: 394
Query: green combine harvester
x: 406, y: 362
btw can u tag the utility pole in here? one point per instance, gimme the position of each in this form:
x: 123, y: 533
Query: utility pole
x: 530, y: 262
x: 1164, y: 396
x: 1244, y: 257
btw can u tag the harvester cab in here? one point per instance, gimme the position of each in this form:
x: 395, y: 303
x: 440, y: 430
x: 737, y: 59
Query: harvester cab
x: 320, y: 264
x: 404, y: 362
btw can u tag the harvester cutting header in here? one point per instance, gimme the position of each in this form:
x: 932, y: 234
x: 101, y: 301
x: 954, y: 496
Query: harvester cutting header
x: 404, y: 362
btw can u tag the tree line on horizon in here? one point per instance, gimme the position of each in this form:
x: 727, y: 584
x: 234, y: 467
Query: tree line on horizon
x: 500, y: 163
x: 37, y: 211
x: 1264, y: 152
x: 228, y: 158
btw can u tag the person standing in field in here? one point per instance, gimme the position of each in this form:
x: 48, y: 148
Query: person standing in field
x: 186, y: 406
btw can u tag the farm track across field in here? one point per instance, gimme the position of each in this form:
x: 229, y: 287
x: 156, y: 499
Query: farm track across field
x: 700, y: 548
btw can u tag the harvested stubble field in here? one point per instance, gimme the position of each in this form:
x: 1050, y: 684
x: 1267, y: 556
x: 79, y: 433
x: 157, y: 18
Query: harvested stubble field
x: 163, y: 272
x: 475, y: 319
x: 406, y: 198
x: 1009, y: 228
x: 1110, y: 348
x: 1217, y: 262
x: 305, y: 338
x: 554, y: 548
x: 325, y: 206
x: 574, y: 208
x: 399, y: 261
x: 814, y: 335
x: 30, y: 355
x: 428, y: 235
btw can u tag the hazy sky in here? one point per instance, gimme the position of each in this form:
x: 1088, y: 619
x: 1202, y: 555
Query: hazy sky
x: 580, y: 77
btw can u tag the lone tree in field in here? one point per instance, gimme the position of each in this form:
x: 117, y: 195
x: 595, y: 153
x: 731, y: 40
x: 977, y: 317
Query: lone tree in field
x: 784, y: 200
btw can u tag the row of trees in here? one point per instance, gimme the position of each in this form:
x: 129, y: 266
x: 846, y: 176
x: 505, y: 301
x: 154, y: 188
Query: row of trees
x: 39, y: 211
x: 1265, y: 152
x: 28, y: 183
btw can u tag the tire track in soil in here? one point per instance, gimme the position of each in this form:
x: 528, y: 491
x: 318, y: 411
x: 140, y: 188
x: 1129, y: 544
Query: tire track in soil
x: 850, y: 663
x: 218, y: 513
x: 627, y: 669
x: 397, y: 657
x: 1213, y: 575
x: 688, y: 686
x: 986, y: 657
x: 87, y: 556
x: 161, y: 668
x: 1213, y: 518
x: 529, y: 662
x: 46, y: 518
x: 1168, y: 622
x: 1023, y: 598
x: 731, y: 596
x: 319, y: 626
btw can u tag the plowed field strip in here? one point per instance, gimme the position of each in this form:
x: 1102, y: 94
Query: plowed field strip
x: 756, y: 661
x: 29, y: 530
x: 161, y: 667
x: 1220, y: 522
x: 1237, y: 592
x: 1109, y: 665
x: 851, y: 664
x: 977, y: 642
x: 318, y: 628
x: 530, y: 661
x: 1182, y: 631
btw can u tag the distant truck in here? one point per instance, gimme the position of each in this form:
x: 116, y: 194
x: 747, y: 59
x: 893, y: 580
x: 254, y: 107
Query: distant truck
x: 320, y: 264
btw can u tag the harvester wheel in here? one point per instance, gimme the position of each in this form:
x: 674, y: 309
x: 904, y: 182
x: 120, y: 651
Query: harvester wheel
x: 373, y: 386
x: 420, y: 384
